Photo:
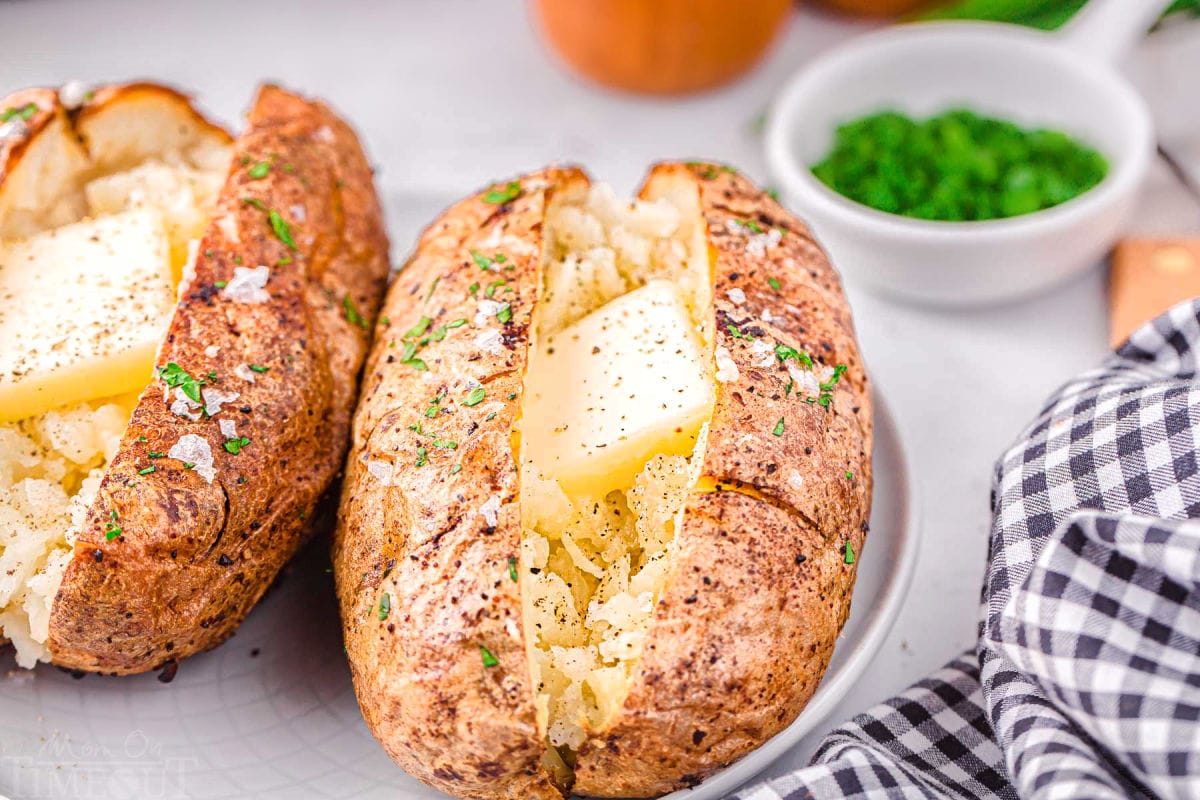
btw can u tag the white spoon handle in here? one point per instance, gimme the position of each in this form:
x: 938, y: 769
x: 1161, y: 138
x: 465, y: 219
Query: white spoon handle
x: 1105, y: 30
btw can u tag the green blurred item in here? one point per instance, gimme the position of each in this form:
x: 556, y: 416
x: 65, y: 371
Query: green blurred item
x: 1045, y: 14
x: 957, y: 166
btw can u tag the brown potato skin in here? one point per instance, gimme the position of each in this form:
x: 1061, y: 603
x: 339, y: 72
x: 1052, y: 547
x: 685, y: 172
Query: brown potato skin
x: 419, y: 673
x: 744, y: 629
x: 193, y: 558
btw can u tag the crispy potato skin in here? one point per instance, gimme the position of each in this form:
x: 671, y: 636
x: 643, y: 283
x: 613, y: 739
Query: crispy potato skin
x: 746, y: 626
x: 194, y: 557
x: 13, y: 146
x: 426, y: 541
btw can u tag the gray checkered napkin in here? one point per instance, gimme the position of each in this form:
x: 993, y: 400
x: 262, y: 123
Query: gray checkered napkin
x: 1085, y: 682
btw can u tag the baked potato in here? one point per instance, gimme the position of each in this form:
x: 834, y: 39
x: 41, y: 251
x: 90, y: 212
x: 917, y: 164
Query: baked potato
x: 609, y: 476
x: 184, y: 318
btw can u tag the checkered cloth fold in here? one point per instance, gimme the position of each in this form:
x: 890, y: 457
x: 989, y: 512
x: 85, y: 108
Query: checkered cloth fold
x: 1085, y: 682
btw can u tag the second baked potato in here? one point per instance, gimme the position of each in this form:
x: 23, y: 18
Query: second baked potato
x: 609, y: 476
x: 183, y: 319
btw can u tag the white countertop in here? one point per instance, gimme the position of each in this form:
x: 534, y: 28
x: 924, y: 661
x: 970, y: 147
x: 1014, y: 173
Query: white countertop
x: 450, y: 94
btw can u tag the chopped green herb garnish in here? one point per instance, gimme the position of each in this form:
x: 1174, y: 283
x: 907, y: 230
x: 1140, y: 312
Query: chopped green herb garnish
x: 457, y: 468
x: 489, y: 660
x: 849, y: 476
x: 112, y: 531
x: 778, y: 429
x: 456, y: 323
x: 352, y: 315
x: 220, y: 284
x: 501, y: 196
x: 512, y: 568
x: 147, y: 470
x: 504, y: 315
x: 490, y: 291
x: 25, y: 112
x: 253, y: 201
x: 142, y: 439
x: 258, y: 368
x: 784, y: 352
x: 472, y: 289
x: 750, y: 225
x: 445, y: 444
x: 259, y: 170
x: 773, y: 194
x: 733, y: 330
x: 234, y: 446
x: 432, y: 286
x: 956, y: 166
x: 475, y: 397
x: 418, y: 329
x: 154, y: 454
x: 849, y: 559
x: 422, y: 456
x: 174, y: 375
x: 282, y: 231
x: 385, y: 606
x: 481, y: 261
x: 773, y: 283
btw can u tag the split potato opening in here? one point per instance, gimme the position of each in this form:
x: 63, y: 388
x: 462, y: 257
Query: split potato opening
x: 99, y: 214
x: 618, y: 394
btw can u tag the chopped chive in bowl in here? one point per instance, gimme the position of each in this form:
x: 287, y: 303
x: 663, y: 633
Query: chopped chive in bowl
x: 957, y: 166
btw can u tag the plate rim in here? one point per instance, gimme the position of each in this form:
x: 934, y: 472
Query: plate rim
x: 879, y: 624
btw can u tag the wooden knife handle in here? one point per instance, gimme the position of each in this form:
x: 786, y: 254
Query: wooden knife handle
x: 1148, y: 277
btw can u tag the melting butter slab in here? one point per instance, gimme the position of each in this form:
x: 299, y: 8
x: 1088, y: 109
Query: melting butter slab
x: 623, y: 383
x: 82, y: 310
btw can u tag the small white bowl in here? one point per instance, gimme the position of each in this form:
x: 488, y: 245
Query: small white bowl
x: 1025, y: 76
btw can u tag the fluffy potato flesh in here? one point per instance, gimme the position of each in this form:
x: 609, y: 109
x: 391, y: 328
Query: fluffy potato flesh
x: 618, y: 393
x: 88, y: 278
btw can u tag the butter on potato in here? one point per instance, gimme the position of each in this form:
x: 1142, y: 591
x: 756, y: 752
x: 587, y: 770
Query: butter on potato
x: 84, y: 308
x: 624, y: 383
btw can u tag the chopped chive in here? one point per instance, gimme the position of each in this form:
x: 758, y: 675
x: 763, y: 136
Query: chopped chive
x: 489, y: 660
x: 282, y: 231
x: 501, y: 196
x: 418, y: 329
x: 778, y: 429
x: 147, y: 470
x: 475, y: 397
x: 352, y: 315
x: 259, y: 170
x: 512, y: 568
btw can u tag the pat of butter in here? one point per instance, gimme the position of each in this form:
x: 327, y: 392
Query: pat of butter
x: 627, y: 382
x: 82, y: 311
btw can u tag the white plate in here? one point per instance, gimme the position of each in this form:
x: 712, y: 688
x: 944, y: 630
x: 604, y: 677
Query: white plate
x: 271, y: 714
